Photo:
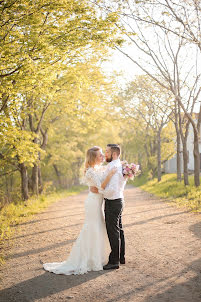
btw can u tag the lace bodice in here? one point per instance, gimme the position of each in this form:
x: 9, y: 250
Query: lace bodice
x: 94, y: 177
x: 114, y: 189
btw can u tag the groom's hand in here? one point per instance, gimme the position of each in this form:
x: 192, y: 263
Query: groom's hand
x: 93, y: 189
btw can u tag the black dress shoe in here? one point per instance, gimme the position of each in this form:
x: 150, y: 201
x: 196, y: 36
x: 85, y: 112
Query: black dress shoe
x: 122, y: 261
x: 110, y: 266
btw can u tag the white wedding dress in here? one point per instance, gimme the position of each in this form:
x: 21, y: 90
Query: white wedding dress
x: 91, y: 249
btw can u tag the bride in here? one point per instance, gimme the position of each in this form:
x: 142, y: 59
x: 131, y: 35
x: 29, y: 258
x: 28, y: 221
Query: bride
x: 91, y: 249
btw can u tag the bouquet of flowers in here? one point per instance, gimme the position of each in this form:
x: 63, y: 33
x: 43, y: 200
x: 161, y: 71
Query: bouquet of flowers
x: 130, y: 170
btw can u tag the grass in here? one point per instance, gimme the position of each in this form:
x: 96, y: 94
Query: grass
x: 16, y: 213
x: 168, y: 188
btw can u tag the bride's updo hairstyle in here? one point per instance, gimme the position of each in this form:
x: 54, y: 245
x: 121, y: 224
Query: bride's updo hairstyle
x: 91, y: 157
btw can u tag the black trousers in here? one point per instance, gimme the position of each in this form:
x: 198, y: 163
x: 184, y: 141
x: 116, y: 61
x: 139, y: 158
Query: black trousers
x: 113, y: 212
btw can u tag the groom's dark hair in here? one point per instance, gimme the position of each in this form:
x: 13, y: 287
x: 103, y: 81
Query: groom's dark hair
x: 115, y: 148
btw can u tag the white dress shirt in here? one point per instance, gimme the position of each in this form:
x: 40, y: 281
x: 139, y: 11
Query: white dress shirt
x: 114, y: 189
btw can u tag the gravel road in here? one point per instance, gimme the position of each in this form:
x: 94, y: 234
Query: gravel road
x: 163, y: 255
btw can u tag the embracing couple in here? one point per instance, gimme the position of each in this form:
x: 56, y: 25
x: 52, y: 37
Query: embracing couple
x: 99, y: 238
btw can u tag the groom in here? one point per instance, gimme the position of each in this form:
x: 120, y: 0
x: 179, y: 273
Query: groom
x: 113, y: 195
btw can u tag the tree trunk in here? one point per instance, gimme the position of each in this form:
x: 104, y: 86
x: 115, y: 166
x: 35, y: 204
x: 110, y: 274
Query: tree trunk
x: 24, y: 181
x: 35, y: 179
x: 76, y: 181
x: 140, y: 162
x: 178, y: 158
x: 184, y: 136
x: 7, y: 189
x: 159, y: 155
x: 178, y: 142
x: 40, y: 183
x: 77, y: 165
x: 58, y: 174
x: 148, y: 156
x: 153, y: 172
x: 11, y: 183
x: 196, y: 154
x: 185, y: 162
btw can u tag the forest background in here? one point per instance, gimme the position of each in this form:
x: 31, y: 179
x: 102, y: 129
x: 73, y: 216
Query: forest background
x: 58, y: 99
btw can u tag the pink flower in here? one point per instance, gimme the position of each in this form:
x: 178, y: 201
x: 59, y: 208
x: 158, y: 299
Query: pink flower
x: 129, y: 170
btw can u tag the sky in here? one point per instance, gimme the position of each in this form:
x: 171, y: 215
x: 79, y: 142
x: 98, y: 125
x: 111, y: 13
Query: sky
x: 119, y: 63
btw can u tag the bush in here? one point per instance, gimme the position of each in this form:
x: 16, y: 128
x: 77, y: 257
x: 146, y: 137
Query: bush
x: 173, y: 190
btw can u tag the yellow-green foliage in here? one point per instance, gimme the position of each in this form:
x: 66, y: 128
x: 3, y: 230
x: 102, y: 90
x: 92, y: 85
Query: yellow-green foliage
x: 14, y: 214
x: 142, y: 121
x: 53, y: 89
x: 169, y: 188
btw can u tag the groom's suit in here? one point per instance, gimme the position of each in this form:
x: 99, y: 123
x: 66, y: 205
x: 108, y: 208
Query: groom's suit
x: 113, y: 195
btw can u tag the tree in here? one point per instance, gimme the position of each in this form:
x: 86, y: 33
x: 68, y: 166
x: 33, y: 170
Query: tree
x: 163, y: 62
x: 163, y: 47
x: 180, y: 18
x: 40, y: 43
x: 147, y: 102
x: 17, y: 150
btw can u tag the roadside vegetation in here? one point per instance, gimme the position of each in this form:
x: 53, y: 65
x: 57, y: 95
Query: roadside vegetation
x: 172, y: 190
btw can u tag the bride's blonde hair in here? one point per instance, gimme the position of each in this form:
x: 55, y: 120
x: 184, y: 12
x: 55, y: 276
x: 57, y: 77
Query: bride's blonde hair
x: 91, y: 157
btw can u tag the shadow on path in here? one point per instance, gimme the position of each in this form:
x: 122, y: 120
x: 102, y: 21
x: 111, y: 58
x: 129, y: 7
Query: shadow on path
x: 153, y: 218
x: 46, y: 231
x: 50, y: 218
x: 44, y: 285
x: 170, y: 289
x: 182, y: 291
x: 43, y: 249
x: 152, y: 210
x: 62, y: 209
x: 196, y: 229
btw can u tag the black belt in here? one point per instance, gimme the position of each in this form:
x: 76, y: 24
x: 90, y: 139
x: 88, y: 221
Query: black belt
x: 118, y: 199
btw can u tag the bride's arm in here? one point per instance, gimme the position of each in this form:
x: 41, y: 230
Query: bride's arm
x: 99, y: 185
x: 108, y: 177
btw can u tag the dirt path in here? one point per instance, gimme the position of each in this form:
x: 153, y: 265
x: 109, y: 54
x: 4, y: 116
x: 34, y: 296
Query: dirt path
x: 163, y: 256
